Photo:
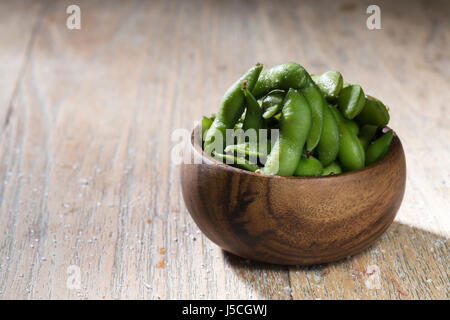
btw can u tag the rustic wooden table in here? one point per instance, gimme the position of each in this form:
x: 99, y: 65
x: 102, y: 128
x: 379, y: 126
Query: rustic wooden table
x: 90, y: 203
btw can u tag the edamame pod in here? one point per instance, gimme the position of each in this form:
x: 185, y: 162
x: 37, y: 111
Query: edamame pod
x: 253, y: 115
x: 292, y: 75
x: 317, y: 104
x: 238, y: 162
x: 351, y: 101
x: 374, y: 112
x: 240, y: 121
x: 333, y: 168
x: 379, y: 148
x: 231, y: 109
x: 328, y: 147
x: 249, y: 150
x: 271, y: 103
x: 205, y: 124
x: 283, y: 76
x: 351, y: 152
x: 295, y: 125
x: 367, y: 133
x: 315, y: 77
x: 330, y: 83
x: 309, y: 167
x: 352, y: 126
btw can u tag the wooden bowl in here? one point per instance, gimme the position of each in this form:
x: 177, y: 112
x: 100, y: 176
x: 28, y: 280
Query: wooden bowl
x: 293, y: 220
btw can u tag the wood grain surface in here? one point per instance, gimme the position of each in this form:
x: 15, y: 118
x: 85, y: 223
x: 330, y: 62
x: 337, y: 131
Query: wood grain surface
x: 87, y: 180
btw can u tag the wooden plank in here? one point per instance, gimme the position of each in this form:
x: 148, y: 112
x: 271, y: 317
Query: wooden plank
x: 87, y: 174
x: 19, y: 25
x: 416, y: 243
x: 16, y: 37
x: 114, y: 209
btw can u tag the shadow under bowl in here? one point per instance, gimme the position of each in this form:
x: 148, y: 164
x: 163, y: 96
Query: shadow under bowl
x: 293, y: 220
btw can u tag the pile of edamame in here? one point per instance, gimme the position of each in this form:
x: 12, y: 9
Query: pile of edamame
x: 323, y: 125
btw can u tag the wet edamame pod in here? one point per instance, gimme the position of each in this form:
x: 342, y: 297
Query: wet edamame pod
x: 351, y: 152
x: 328, y: 147
x: 309, y: 167
x: 295, y: 125
x: 249, y: 150
x: 366, y: 135
x: 205, y: 124
x: 238, y: 162
x: 317, y: 103
x: 330, y: 83
x: 315, y: 77
x: 253, y: 115
x: 271, y: 103
x: 352, y: 126
x: 231, y: 109
x: 332, y: 168
x: 351, y: 101
x: 292, y: 75
x: 283, y: 76
x: 379, y: 148
x: 374, y: 113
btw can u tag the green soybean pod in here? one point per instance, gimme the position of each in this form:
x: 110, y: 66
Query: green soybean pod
x: 314, y: 77
x: 330, y: 83
x: 366, y: 135
x: 231, y: 108
x: 205, y: 124
x: 238, y: 162
x: 283, y: 76
x: 332, y: 168
x: 352, y: 126
x: 240, y: 121
x: 328, y: 147
x: 351, y: 152
x: 253, y: 115
x: 351, y: 101
x: 374, y: 113
x: 292, y: 75
x: 309, y: 167
x: 379, y: 148
x: 249, y: 150
x: 295, y: 124
x: 317, y: 103
x: 272, y: 102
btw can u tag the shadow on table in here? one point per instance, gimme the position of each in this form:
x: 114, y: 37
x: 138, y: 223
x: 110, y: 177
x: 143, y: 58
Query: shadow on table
x: 401, y: 250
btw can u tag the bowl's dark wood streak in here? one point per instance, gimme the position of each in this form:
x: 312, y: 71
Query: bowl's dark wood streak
x: 290, y: 220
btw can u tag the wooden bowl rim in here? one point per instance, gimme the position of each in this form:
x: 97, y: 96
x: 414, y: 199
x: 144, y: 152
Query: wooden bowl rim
x: 395, y: 144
